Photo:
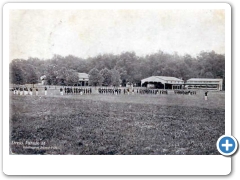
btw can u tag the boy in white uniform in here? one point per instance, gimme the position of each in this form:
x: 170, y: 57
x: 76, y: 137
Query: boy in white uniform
x: 206, y: 93
x: 61, y: 91
x: 21, y: 91
x: 45, y: 91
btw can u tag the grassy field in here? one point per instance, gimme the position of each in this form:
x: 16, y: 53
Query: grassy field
x: 124, y: 124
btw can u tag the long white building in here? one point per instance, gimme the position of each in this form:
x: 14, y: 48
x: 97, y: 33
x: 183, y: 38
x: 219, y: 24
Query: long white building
x: 205, y: 83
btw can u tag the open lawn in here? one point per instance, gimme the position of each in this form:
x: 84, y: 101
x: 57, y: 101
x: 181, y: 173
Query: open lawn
x: 116, y: 124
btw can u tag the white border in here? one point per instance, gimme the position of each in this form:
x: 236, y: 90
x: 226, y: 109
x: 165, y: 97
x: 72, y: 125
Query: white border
x: 114, y: 165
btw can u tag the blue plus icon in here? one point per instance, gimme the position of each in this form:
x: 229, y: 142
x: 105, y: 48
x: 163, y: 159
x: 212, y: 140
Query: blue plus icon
x: 227, y: 145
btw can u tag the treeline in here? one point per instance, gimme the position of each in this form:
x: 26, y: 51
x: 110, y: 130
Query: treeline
x: 109, y: 69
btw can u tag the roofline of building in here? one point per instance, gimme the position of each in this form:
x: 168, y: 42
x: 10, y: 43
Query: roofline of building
x: 204, y: 79
x: 160, y: 77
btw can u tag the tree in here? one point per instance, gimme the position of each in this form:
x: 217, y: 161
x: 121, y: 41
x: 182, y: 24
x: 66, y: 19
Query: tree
x: 107, y: 76
x: 51, y: 74
x: 16, y: 73
x: 131, y: 67
x: 123, y: 75
x: 116, y: 80
x: 95, y: 78
x: 61, y: 76
x: 32, y: 77
x: 209, y: 75
x: 71, y: 77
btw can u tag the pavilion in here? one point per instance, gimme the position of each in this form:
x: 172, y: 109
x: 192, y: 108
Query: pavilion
x: 162, y: 82
x: 205, y: 83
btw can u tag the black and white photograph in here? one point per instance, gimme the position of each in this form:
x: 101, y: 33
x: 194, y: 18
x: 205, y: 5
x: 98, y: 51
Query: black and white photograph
x: 116, y: 81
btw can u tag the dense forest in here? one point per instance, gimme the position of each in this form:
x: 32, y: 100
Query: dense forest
x: 109, y: 69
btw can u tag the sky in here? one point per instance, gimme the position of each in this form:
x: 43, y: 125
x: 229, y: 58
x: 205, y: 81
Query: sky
x: 87, y: 33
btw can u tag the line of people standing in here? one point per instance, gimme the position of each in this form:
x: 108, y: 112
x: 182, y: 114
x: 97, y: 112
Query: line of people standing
x: 23, y: 91
x: 115, y: 91
x: 75, y: 90
x: 128, y: 91
x: 185, y: 92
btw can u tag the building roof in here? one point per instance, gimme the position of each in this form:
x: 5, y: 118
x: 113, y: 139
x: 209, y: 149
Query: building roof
x: 204, y: 79
x: 160, y: 79
x: 167, y: 78
x: 83, y: 75
x: 43, y: 77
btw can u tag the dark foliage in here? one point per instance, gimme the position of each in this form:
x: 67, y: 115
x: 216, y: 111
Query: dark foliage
x: 131, y: 67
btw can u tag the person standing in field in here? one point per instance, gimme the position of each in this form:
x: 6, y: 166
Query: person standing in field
x: 21, y: 91
x: 206, y: 95
x: 14, y: 90
x: 25, y: 91
x: 17, y: 90
x: 45, y: 89
x: 30, y: 91
x: 61, y: 91
x: 36, y: 91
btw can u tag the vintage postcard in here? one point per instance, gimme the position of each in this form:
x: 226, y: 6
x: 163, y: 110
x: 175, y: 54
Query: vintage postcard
x: 118, y: 79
